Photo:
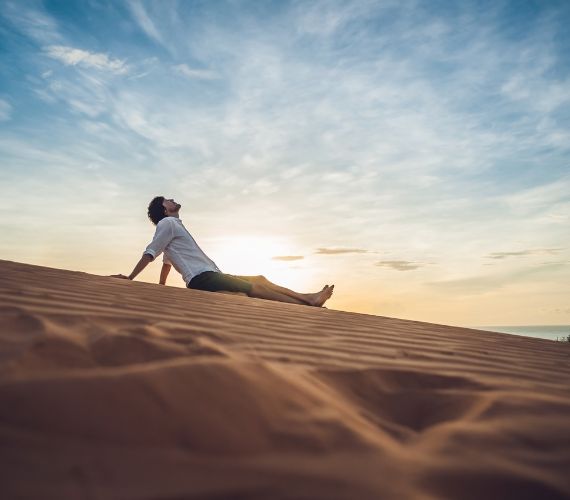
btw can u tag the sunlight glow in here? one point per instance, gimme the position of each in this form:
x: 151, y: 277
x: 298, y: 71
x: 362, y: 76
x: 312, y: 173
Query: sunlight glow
x: 254, y: 255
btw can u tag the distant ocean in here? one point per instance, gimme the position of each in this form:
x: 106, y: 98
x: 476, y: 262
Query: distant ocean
x: 551, y: 332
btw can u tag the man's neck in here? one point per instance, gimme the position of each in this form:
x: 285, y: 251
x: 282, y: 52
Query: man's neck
x: 173, y: 214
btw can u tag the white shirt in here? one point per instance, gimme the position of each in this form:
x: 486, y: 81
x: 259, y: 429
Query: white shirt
x: 180, y: 249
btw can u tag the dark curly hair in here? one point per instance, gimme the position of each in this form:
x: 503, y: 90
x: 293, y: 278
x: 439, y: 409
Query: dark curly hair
x: 156, y: 210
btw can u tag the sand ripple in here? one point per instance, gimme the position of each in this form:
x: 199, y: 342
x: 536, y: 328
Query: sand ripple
x: 121, y: 390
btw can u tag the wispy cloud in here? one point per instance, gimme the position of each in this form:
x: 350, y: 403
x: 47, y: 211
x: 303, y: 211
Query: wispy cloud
x: 77, y: 57
x: 144, y: 21
x: 324, y: 18
x: 195, y: 73
x: 546, y: 197
x: 521, y: 253
x: 34, y: 23
x: 5, y: 110
x: 558, y: 217
x: 338, y: 251
x: 400, y: 265
x: 83, y: 92
x: 494, y: 282
x: 288, y: 257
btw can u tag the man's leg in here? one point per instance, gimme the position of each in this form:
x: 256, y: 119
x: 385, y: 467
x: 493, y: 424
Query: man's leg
x: 211, y: 281
x: 261, y: 291
x: 312, y: 299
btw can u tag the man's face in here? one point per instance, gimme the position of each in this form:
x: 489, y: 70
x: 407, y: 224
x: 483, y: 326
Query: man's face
x: 170, y: 205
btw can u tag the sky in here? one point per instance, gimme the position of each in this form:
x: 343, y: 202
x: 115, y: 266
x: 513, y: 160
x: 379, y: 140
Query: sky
x: 414, y: 153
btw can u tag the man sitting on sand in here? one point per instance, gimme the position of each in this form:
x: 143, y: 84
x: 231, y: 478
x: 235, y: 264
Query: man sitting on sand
x: 198, y: 270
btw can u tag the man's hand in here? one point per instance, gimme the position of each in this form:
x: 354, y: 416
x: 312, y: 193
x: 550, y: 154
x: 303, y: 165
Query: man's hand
x: 164, y: 273
x: 145, y: 259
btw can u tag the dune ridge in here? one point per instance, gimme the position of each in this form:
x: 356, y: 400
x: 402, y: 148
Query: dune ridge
x: 128, y: 390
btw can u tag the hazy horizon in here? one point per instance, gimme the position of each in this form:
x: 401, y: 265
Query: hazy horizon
x: 415, y: 154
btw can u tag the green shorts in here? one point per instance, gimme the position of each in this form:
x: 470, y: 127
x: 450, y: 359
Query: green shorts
x: 212, y: 281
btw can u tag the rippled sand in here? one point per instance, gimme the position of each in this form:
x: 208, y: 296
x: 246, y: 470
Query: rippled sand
x: 112, y: 389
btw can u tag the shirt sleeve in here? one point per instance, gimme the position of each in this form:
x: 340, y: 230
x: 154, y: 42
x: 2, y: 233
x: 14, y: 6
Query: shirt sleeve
x: 166, y: 260
x: 162, y: 237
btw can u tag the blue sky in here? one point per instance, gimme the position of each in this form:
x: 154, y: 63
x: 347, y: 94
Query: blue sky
x: 417, y: 154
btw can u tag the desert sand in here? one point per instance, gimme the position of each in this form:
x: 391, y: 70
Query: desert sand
x: 112, y: 389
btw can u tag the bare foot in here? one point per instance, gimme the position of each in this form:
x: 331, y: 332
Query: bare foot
x: 319, y: 298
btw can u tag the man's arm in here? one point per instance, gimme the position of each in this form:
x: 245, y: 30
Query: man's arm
x: 164, y: 273
x: 142, y: 263
x: 145, y: 260
x: 162, y: 237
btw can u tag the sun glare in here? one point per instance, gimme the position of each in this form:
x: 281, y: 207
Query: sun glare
x: 253, y: 255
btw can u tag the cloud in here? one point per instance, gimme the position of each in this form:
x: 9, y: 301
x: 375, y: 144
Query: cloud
x: 5, y: 110
x: 538, y: 251
x: 194, y: 73
x: 558, y: 217
x: 548, y: 196
x: 337, y: 251
x: 400, y: 265
x: 145, y: 22
x: 77, y: 57
x: 288, y: 257
x: 84, y: 92
x: 471, y: 285
x: 493, y: 282
x: 34, y: 23
x: 325, y: 18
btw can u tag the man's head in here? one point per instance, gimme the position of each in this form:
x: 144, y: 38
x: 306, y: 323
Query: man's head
x: 160, y: 207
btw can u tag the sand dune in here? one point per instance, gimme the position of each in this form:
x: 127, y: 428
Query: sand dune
x: 112, y: 389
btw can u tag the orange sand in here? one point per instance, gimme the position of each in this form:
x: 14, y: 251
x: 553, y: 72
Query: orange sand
x: 112, y: 389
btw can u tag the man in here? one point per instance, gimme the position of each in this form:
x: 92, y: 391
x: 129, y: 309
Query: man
x: 198, y: 270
